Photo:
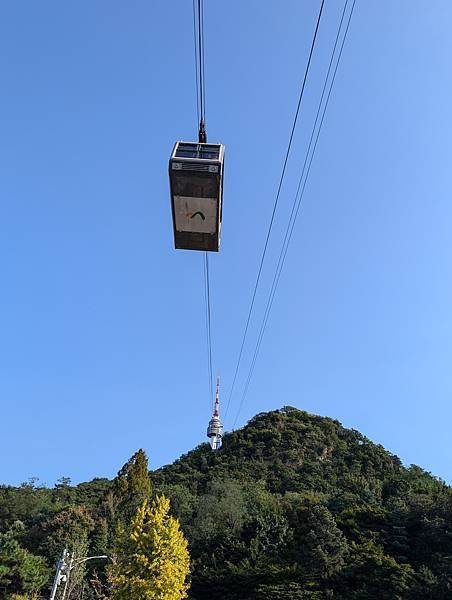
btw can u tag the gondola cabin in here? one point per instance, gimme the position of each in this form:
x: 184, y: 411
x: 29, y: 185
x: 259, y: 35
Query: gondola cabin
x: 196, y: 184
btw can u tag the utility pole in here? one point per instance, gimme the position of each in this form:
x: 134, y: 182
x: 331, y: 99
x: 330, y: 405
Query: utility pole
x: 71, y: 562
x: 64, y: 569
x: 60, y: 574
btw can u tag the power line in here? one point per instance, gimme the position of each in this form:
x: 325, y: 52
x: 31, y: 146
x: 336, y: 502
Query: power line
x: 299, y: 195
x: 289, y: 146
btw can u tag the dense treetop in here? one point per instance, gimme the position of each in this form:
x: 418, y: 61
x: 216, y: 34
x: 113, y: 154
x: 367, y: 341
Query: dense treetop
x: 292, y: 506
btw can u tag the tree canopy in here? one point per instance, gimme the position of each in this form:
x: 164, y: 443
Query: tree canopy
x: 152, y: 560
x: 292, y: 506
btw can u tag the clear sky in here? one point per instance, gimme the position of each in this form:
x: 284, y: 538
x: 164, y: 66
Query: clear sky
x: 102, y: 321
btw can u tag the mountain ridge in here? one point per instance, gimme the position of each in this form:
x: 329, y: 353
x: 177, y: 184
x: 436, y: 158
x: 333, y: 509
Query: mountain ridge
x: 296, y: 439
x: 293, y: 506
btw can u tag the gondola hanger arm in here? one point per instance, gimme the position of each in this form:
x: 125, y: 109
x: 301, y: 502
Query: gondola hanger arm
x: 202, y: 134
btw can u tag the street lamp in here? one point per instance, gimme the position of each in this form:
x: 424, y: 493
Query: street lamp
x: 64, y: 570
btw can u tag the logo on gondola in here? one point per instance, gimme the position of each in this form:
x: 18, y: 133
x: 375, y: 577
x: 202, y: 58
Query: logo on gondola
x: 193, y: 215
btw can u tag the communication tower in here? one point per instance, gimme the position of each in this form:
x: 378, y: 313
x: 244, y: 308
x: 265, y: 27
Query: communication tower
x: 215, y: 428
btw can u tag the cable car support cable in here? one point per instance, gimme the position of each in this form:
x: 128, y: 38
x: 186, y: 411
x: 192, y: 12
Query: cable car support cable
x: 196, y: 173
x: 195, y: 41
x: 208, y: 327
x: 299, y: 194
x: 198, y: 34
x: 264, y: 252
x: 200, y: 71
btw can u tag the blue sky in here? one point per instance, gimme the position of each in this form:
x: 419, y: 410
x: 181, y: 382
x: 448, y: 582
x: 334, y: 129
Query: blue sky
x: 102, y: 322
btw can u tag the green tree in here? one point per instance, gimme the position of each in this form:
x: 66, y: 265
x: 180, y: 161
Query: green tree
x: 70, y: 528
x: 152, y: 560
x: 372, y: 574
x: 222, y: 509
x: 20, y: 571
x: 322, y: 546
x: 131, y: 487
x: 286, y: 591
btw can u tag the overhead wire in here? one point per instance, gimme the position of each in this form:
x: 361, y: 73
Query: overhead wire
x: 299, y: 193
x: 275, y: 205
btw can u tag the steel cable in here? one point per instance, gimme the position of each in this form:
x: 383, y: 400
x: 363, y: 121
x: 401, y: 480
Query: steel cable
x: 298, y: 196
x: 289, y: 146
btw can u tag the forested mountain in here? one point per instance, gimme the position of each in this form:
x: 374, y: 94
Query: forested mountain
x: 293, y: 506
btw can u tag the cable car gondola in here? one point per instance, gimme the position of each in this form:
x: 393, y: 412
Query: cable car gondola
x: 196, y: 184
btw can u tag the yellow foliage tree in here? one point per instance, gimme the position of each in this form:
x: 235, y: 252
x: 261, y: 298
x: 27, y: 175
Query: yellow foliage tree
x: 152, y: 559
